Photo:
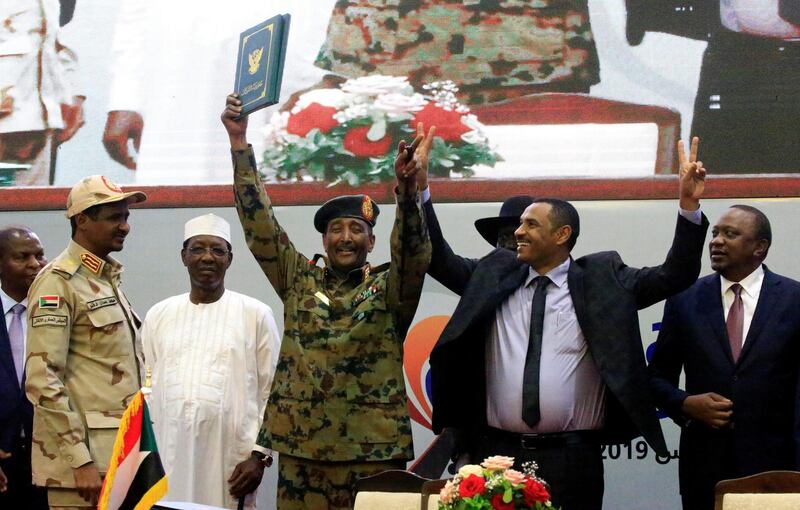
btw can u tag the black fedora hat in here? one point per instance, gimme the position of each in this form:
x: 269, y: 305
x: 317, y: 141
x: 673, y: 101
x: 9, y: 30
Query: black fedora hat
x: 510, y: 212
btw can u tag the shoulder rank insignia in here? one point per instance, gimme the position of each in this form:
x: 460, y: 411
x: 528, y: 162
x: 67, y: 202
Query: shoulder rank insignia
x: 366, y: 209
x: 49, y: 301
x: 92, y: 262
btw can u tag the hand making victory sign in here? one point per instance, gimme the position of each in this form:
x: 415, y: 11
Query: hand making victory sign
x: 692, y: 176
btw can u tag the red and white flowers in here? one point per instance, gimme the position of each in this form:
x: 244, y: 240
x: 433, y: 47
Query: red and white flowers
x: 350, y: 133
x: 494, y: 485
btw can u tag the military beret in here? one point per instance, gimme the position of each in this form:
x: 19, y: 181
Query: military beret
x: 346, y: 206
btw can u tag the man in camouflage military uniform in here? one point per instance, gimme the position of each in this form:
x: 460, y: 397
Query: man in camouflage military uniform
x: 83, y: 360
x: 493, y: 50
x: 338, y: 406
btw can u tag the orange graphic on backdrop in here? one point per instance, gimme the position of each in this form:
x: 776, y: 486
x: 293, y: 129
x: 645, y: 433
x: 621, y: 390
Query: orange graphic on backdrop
x: 416, y: 349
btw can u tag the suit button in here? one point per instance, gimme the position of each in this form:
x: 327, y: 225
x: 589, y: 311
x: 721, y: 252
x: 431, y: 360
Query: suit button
x: 735, y: 378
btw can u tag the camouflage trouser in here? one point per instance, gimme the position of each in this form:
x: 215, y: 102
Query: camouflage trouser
x: 319, y: 485
x: 66, y: 499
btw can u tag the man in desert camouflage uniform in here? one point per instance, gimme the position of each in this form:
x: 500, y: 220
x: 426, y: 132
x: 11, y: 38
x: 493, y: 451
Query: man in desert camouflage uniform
x: 492, y: 50
x: 338, y: 406
x: 83, y: 360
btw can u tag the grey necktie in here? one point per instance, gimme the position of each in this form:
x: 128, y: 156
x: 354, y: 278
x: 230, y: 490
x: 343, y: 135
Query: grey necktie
x: 17, y: 339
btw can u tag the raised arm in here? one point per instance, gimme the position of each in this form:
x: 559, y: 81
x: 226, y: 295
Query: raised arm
x: 410, y: 244
x: 681, y: 267
x: 266, y: 239
x: 451, y: 270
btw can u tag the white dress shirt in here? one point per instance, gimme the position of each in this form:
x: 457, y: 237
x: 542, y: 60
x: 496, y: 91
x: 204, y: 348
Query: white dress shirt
x: 571, y: 390
x: 751, y: 289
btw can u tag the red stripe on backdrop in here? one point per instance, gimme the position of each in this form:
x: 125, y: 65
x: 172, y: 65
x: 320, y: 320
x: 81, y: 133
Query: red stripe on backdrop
x: 445, y: 190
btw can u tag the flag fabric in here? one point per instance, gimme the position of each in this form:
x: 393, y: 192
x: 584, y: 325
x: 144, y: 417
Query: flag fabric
x: 48, y: 301
x: 135, y: 479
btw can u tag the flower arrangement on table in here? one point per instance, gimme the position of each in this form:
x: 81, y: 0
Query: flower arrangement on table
x: 350, y: 134
x: 495, y: 486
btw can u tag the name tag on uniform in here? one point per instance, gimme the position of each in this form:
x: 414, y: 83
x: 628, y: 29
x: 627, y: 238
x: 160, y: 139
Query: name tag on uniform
x: 100, y: 303
x: 49, y: 320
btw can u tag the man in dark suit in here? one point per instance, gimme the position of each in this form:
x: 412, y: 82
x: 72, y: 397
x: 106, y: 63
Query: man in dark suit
x: 549, y: 374
x: 736, y: 334
x: 747, y: 102
x: 21, y: 259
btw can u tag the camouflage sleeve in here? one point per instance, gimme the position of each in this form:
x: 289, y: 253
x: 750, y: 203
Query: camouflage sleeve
x: 410, y: 257
x: 50, y: 319
x: 268, y: 242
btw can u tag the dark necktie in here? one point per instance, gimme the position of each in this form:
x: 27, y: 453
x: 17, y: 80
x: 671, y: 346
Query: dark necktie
x: 17, y: 339
x: 530, y: 379
x: 735, y: 322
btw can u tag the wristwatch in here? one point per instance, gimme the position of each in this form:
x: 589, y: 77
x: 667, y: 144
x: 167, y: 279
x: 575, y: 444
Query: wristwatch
x: 264, y: 458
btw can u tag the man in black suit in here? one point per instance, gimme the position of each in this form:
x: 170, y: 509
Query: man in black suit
x: 736, y: 334
x: 21, y: 259
x: 549, y: 374
x: 747, y: 102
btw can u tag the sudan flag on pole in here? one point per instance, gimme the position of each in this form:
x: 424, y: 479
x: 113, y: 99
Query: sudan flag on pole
x: 135, y: 478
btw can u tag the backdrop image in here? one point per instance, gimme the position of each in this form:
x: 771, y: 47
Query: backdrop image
x: 519, y: 88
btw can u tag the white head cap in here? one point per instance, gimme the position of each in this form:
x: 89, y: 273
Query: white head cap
x: 207, y: 225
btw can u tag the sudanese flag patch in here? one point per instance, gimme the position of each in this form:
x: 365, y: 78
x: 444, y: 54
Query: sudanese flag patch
x: 49, y: 301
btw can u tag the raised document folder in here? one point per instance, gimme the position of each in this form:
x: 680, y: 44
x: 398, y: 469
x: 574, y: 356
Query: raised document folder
x: 259, y: 66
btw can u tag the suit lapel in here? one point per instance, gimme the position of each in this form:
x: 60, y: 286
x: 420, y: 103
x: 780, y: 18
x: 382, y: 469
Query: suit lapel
x: 767, y: 301
x: 709, y: 305
x: 575, y: 282
x: 6, y: 357
x: 496, y: 282
x: 507, y: 283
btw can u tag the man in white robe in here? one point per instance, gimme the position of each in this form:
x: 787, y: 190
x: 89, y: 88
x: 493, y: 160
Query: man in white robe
x: 212, y: 353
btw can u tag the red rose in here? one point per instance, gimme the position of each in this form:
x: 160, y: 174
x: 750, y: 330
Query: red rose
x: 448, y: 122
x: 471, y: 486
x: 534, y: 491
x: 312, y: 116
x: 356, y: 142
x: 497, y: 503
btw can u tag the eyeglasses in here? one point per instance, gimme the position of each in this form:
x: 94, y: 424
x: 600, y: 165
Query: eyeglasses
x: 199, y: 251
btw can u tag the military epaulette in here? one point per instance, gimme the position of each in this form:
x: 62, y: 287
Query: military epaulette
x: 66, y: 267
x: 379, y: 269
x: 315, y: 260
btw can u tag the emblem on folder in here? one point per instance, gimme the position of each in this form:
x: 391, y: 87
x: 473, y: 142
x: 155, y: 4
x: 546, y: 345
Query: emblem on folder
x: 254, y: 59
